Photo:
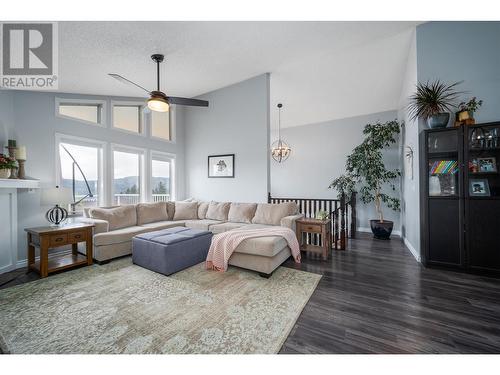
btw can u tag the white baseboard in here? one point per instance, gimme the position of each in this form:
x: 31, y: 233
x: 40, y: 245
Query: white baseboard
x: 413, y: 251
x: 369, y: 230
x: 22, y: 263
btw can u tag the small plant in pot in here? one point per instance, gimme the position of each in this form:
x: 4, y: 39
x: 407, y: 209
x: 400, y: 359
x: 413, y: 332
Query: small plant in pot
x: 433, y: 102
x: 466, y: 110
x: 365, y: 168
x: 6, y: 164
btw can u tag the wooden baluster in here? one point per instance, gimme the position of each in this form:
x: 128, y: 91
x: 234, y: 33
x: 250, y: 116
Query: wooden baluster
x: 353, y: 215
x: 342, y: 222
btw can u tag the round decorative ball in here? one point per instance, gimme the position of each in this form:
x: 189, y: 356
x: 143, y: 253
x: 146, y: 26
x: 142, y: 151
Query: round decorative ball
x: 56, y: 215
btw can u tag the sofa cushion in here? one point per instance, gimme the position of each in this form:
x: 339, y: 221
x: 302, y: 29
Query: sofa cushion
x: 263, y: 246
x: 151, y: 212
x: 202, y: 210
x: 272, y: 214
x: 241, y: 212
x: 218, y: 211
x: 201, y: 224
x: 224, y: 227
x: 119, y: 217
x: 186, y: 210
x: 157, y: 225
x: 170, y: 210
x: 119, y: 235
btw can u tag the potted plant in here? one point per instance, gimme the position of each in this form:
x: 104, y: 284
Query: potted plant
x: 433, y: 101
x: 6, y: 164
x: 466, y: 110
x: 365, y: 167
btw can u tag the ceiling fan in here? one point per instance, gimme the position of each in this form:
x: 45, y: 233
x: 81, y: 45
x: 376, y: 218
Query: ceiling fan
x: 158, y: 101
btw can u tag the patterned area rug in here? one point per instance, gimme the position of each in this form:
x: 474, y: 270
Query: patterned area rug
x: 123, y: 308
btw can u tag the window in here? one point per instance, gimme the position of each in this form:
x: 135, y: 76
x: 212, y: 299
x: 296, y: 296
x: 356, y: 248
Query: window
x: 127, y: 176
x: 80, y: 166
x: 160, y: 125
x: 91, y: 112
x: 128, y: 117
x: 161, y: 177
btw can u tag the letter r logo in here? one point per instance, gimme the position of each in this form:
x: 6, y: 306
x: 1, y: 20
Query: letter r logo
x: 27, y: 49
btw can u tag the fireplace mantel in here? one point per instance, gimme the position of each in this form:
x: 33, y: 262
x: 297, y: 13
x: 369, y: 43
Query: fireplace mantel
x: 14, y: 183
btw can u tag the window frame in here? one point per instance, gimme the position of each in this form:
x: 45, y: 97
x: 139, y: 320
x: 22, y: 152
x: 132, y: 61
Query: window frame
x: 142, y: 117
x: 72, y: 101
x: 162, y: 156
x: 101, y: 160
x: 143, y: 184
x: 171, y: 119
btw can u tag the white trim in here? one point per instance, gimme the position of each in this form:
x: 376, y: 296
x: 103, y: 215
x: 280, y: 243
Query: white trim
x: 413, y: 251
x: 11, y: 183
x: 166, y: 157
x: 142, y: 117
x: 10, y: 242
x: 369, y: 230
x: 101, y: 160
x: 69, y: 101
x: 172, y: 120
x: 143, y: 184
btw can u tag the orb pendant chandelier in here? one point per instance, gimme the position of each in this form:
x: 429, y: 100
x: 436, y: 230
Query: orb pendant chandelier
x: 280, y: 151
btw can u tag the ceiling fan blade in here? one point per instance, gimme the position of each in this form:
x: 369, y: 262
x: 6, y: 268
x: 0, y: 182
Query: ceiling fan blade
x: 127, y: 81
x: 187, y: 101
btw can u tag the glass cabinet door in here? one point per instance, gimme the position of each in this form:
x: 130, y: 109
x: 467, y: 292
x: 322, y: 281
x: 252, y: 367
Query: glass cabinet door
x: 443, y: 177
x: 442, y: 141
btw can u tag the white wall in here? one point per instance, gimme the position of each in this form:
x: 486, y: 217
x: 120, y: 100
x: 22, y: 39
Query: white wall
x: 36, y: 126
x: 410, y: 208
x: 236, y: 122
x: 318, y: 156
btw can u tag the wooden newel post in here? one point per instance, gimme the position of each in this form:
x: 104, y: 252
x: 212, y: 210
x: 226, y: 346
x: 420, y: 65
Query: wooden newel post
x: 353, y: 215
x: 342, y: 223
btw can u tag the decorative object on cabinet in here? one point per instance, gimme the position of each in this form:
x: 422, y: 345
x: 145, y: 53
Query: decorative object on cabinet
x: 487, y: 165
x: 7, y: 164
x: 466, y: 110
x: 21, y: 159
x: 57, y: 196
x: 479, y: 187
x: 365, y: 166
x: 433, y: 102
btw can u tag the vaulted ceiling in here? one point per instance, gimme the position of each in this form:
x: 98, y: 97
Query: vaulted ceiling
x: 319, y: 70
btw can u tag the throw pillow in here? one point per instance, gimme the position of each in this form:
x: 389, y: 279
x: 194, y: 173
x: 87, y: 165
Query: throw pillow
x: 218, y: 211
x: 119, y: 217
x: 202, y: 210
x: 242, y: 212
x: 186, y: 211
x: 271, y: 214
x: 151, y: 212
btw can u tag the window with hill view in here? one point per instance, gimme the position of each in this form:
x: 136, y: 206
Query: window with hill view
x: 126, y: 177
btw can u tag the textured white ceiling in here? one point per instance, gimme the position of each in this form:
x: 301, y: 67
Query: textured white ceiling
x: 319, y: 70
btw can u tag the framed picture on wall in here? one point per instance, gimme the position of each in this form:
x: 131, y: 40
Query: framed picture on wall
x: 479, y: 187
x: 221, y: 166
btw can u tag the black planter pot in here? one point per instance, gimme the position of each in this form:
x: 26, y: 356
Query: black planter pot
x: 381, y: 229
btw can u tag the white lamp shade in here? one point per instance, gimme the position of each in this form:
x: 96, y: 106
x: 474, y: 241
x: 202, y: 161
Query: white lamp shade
x: 57, y: 195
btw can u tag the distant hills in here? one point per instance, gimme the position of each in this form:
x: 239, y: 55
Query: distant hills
x: 121, y: 185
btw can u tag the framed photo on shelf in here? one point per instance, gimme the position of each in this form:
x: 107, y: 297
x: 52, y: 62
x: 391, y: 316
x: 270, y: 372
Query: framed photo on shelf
x: 479, y: 187
x: 487, y: 164
x: 221, y: 166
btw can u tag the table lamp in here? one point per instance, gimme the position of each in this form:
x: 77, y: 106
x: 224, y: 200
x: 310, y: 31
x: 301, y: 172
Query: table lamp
x: 56, y: 196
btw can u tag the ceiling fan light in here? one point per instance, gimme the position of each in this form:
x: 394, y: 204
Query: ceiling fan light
x: 158, y: 104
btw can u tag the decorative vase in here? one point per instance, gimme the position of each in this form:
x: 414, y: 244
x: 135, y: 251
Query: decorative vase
x: 464, y: 115
x: 438, y: 121
x: 4, y: 173
x: 381, y: 229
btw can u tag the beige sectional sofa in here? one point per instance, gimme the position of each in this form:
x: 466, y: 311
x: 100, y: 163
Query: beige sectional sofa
x: 115, y: 227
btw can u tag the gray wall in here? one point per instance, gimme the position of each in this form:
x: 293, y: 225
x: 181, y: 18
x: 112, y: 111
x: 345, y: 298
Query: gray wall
x: 35, y: 127
x: 451, y: 52
x: 236, y: 122
x: 318, y: 156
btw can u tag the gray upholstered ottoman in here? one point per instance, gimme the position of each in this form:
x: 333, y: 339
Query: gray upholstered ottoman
x: 170, y: 250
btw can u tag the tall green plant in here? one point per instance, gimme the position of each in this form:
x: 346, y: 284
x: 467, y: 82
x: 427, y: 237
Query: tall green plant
x: 365, y: 167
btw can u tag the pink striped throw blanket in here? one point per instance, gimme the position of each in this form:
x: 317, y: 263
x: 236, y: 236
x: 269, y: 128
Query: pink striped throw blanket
x: 224, y: 244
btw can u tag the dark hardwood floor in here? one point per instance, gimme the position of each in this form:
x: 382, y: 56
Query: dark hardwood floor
x: 376, y: 298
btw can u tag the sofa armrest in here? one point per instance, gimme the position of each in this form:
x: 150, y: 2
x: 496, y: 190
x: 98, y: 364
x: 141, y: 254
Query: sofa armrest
x: 289, y: 221
x: 100, y: 226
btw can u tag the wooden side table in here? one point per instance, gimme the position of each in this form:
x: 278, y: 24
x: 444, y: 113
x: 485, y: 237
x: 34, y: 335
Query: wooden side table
x: 315, y: 226
x: 46, y: 238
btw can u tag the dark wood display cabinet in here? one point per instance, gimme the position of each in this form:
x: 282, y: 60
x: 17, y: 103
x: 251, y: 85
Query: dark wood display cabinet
x: 460, y: 197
